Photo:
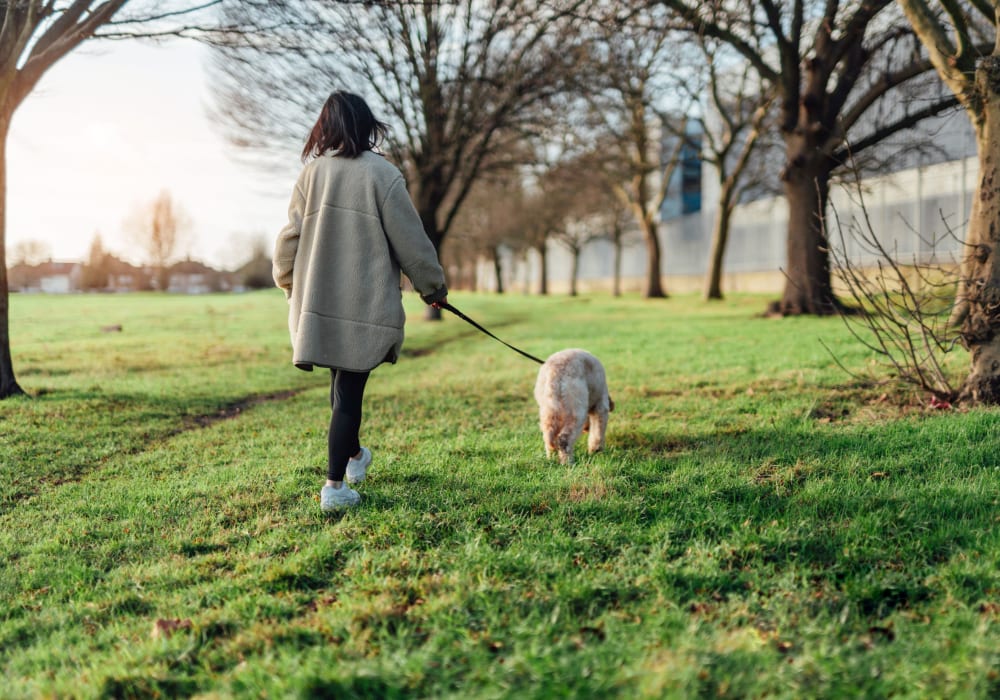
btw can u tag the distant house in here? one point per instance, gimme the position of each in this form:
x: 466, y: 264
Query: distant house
x: 192, y: 277
x: 48, y: 277
x: 114, y: 275
x: 18, y: 276
x: 125, y: 277
x: 59, y: 278
x: 254, y: 274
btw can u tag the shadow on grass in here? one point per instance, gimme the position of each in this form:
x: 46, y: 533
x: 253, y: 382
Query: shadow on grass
x: 850, y: 510
x: 853, y: 508
x: 360, y: 687
x: 127, y: 424
x: 147, y: 687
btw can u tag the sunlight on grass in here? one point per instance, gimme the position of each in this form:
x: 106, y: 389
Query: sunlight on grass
x: 759, y: 524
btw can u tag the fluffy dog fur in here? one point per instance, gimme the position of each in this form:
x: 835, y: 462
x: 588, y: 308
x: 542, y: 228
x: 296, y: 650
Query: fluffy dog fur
x: 571, y: 392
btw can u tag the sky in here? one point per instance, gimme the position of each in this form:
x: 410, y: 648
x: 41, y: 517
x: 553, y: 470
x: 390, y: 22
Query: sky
x: 112, y: 125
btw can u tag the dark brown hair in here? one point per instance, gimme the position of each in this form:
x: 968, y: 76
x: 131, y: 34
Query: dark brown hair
x: 345, y: 125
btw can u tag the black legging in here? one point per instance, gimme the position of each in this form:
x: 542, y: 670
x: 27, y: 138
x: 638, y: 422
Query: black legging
x: 347, y: 389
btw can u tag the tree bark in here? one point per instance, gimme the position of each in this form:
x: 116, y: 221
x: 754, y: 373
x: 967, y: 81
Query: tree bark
x: 808, y: 283
x: 720, y: 236
x: 574, y: 273
x: 427, y: 210
x: 543, y: 255
x: 8, y: 382
x: 979, y: 292
x: 498, y: 270
x: 617, y: 289
x: 654, y: 285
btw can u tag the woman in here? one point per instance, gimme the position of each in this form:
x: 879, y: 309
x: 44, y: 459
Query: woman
x: 351, y: 229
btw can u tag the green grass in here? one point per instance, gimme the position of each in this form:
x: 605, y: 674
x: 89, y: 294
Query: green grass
x: 760, y: 524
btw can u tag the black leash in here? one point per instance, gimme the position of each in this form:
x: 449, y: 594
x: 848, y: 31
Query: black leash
x: 468, y: 320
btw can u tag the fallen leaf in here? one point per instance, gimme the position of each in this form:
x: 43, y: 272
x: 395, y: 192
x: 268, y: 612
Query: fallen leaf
x: 938, y: 404
x: 165, y: 628
x: 992, y: 609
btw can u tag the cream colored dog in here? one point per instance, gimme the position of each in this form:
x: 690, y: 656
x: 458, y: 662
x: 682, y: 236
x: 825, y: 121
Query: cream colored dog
x: 572, y: 389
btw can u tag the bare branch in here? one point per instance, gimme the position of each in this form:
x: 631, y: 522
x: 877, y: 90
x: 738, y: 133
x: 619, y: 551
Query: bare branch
x: 898, y: 319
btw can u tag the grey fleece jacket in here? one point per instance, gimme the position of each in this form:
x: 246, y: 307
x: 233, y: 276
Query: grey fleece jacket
x: 351, y: 229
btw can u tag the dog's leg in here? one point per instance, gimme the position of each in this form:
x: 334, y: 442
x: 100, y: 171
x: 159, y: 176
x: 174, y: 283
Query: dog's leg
x: 565, y: 447
x: 568, y: 436
x: 549, y: 432
x: 598, y: 425
x: 550, y: 446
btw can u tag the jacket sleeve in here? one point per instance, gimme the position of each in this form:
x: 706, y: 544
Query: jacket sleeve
x: 410, y: 244
x: 287, y: 243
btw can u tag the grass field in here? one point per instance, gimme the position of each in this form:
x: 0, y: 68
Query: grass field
x: 761, y: 523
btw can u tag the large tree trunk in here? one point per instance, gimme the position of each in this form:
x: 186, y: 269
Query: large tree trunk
x: 808, y: 283
x: 720, y: 236
x: 979, y: 292
x: 8, y: 383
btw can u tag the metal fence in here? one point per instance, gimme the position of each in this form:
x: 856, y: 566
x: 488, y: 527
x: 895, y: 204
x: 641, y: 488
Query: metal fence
x: 917, y: 213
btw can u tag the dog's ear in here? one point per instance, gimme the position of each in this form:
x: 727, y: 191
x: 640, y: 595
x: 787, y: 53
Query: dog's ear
x: 611, y: 405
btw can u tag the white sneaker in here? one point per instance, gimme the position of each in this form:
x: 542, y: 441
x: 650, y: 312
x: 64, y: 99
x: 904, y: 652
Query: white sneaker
x: 335, y: 499
x: 357, y: 469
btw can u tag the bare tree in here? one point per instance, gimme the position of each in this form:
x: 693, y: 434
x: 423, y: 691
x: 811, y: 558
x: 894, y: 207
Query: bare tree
x: 492, y: 219
x: 951, y: 33
x: 458, y: 81
x: 34, y: 35
x: 739, y: 106
x: 159, y: 227
x: 575, y: 234
x: 902, y: 306
x: 619, y: 225
x: 580, y: 205
x: 831, y: 64
x: 623, y: 98
x: 95, y: 273
x: 543, y: 215
x: 31, y: 252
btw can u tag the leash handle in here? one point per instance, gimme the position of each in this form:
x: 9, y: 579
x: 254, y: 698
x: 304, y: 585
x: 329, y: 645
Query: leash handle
x: 472, y: 323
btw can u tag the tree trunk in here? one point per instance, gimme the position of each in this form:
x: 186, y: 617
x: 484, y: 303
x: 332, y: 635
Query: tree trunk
x: 8, y: 383
x: 979, y: 292
x: 428, y: 217
x: 654, y: 285
x: 574, y: 273
x: 617, y: 289
x: 808, y: 283
x: 498, y: 270
x: 543, y: 255
x: 720, y: 236
x: 163, y: 278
